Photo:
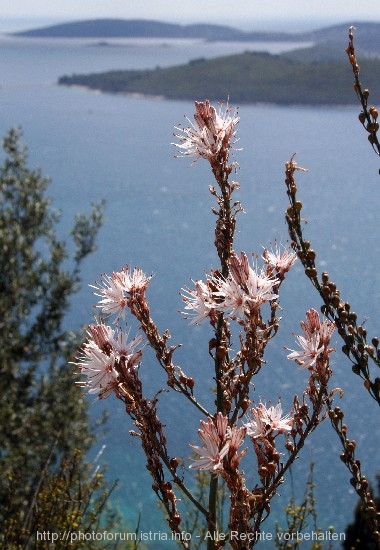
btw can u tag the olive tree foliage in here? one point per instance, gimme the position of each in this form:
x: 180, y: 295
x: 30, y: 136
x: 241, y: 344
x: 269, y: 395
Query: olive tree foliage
x: 43, y: 416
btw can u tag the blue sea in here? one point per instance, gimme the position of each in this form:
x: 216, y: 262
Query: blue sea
x: 158, y: 217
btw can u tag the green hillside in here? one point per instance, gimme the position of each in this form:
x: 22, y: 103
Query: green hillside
x: 246, y: 78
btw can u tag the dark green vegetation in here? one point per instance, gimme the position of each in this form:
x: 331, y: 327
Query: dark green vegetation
x: 46, y: 483
x: 246, y: 78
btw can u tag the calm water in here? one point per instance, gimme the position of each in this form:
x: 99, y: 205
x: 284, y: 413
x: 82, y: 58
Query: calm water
x: 158, y: 217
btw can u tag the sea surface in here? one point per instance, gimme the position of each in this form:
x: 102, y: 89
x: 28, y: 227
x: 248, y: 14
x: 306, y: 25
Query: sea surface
x: 158, y: 216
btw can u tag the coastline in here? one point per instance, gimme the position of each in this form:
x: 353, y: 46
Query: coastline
x: 160, y: 97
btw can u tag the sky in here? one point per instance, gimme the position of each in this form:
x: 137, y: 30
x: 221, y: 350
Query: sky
x: 246, y: 14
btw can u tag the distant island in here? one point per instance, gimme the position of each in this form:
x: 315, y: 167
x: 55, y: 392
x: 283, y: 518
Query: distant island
x: 368, y: 33
x: 314, y: 75
x: 142, y: 28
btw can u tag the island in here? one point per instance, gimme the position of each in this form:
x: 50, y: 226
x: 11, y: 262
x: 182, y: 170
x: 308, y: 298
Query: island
x: 296, y: 78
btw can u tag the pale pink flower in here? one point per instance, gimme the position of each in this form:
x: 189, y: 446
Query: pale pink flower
x: 310, y: 349
x: 315, y: 342
x: 102, y: 335
x: 245, y: 289
x: 113, y: 300
x: 277, y: 421
x: 211, y: 132
x: 312, y: 323
x: 256, y: 426
x: 236, y: 436
x: 124, y: 349
x: 326, y: 331
x: 114, y: 290
x: 215, y: 444
x: 100, y: 356
x: 265, y: 420
x: 232, y: 298
x: 102, y: 377
x: 280, y: 260
x: 135, y: 280
x: 199, y: 302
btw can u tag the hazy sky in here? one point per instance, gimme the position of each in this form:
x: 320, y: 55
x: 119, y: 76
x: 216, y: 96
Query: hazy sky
x: 249, y: 14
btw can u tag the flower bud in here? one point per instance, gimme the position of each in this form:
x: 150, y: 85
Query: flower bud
x: 331, y: 414
x: 311, y: 254
x: 325, y: 277
x: 289, y: 446
x: 263, y: 471
x: 175, y: 521
x: 221, y: 352
x: 174, y: 463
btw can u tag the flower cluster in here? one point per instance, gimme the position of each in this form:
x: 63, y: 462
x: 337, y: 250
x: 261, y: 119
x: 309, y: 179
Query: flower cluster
x: 107, y: 358
x: 219, y: 442
x: 238, y: 295
x: 211, y: 133
x: 103, y: 358
x: 314, y: 344
x: 222, y: 442
x: 115, y: 290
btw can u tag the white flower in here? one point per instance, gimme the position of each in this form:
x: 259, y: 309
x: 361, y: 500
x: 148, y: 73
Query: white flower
x: 124, y: 349
x: 106, y: 351
x: 256, y: 426
x: 265, y: 420
x: 211, y: 132
x: 232, y: 297
x: 199, y: 302
x: 113, y: 300
x: 102, y: 378
x: 130, y: 281
x: 114, y: 290
x: 277, y: 421
x: 310, y: 349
